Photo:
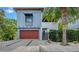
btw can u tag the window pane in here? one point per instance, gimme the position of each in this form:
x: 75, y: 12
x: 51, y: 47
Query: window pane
x: 28, y: 19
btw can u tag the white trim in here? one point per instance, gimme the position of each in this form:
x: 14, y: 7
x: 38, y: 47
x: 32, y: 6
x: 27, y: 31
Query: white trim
x: 18, y: 34
x: 41, y: 27
x: 40, y: 34
x: 28, y: 29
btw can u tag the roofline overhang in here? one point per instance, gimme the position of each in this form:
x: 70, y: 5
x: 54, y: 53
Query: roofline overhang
x: 16, y: 9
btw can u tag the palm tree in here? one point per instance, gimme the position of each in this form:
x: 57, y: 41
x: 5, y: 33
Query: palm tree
x: 66, y: 14
x: 1, y: 16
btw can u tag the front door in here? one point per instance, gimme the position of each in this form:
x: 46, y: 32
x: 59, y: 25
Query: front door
x: 44, y: 34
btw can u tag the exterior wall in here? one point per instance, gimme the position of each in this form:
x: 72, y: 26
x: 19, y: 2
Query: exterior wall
x: 36, y: 18
x: 50, y: 25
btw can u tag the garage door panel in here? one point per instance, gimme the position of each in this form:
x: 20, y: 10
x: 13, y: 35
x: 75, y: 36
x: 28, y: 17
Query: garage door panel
x: 29, y: 34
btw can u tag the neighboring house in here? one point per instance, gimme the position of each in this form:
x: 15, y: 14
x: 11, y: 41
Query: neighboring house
x: 74, y: 25
x: 71, y: 26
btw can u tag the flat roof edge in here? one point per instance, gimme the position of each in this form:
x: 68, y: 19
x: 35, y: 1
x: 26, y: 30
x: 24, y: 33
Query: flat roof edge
x: 28, y: 9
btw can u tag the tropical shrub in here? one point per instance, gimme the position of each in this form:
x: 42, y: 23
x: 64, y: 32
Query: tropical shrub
x: 72, y: 35
x: 8, y: 30
x: 54, y: 35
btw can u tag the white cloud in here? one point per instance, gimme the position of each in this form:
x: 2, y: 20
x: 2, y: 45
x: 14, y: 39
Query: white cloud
x: 10, y: 10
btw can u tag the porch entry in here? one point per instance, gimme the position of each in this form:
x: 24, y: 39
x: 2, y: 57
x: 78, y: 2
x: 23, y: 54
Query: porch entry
x: 44, y: 34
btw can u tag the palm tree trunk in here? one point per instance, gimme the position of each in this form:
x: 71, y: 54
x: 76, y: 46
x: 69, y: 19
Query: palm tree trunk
x: 64, y: 41
x: 64, y: 22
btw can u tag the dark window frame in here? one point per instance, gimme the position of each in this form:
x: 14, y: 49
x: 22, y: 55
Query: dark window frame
x: 28, y: 15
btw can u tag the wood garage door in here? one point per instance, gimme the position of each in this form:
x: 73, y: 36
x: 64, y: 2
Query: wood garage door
x: 29, y: 34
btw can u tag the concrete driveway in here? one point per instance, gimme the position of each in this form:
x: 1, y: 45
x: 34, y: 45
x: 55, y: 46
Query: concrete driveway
x: 8, y: 46
x: 34, y: 46
x: 11, y: 45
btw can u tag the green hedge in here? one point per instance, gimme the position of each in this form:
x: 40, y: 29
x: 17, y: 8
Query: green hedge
x: 56, y: 35
x: 73, y: 35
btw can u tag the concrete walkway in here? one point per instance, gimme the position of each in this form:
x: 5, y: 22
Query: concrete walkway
x: 38, y: 42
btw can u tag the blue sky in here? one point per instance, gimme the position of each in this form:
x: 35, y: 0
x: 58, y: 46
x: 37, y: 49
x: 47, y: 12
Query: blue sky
x: 9, y: 12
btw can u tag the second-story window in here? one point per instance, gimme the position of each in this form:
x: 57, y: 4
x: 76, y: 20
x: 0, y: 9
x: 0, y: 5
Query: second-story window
x: 28, y: 19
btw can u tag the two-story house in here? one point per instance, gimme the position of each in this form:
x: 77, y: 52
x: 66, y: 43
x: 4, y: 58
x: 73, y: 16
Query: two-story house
x: 29, y: 23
